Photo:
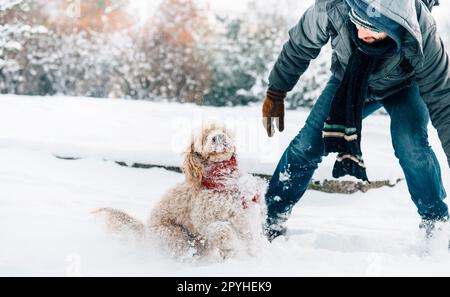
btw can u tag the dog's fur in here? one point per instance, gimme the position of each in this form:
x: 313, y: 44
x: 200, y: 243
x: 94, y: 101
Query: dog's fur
x: 191, y: 219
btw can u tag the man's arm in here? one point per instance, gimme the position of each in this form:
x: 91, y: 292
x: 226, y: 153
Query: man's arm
x: 306, y: 40
x: 431, y: 3
x: 433, y: 77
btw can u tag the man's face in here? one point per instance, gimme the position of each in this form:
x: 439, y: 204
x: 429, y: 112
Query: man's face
x: 368, y: 36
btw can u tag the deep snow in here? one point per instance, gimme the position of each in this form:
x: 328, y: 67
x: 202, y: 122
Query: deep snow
x: 46, y: 227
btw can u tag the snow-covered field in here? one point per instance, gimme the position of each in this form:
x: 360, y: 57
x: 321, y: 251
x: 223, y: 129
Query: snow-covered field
x: 46, y: 227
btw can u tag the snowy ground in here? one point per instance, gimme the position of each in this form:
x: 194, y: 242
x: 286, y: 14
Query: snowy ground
x: 46, y: 227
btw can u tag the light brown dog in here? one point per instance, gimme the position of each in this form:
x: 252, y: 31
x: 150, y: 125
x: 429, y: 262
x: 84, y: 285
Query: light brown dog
x: 216, y: 209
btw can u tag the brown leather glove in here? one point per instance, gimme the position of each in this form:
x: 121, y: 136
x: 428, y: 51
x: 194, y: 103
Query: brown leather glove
x: 273, y: 111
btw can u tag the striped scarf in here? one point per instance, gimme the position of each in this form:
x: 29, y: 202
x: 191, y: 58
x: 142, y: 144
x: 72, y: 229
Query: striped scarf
x: 342, y: 129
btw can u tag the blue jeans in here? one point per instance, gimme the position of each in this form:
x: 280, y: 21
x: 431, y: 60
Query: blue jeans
x: 409, y: 127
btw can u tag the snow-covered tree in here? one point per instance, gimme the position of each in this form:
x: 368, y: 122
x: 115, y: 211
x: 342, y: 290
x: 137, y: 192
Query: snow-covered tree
x: 16, y: 29
x: 174, y: 55
x: 243, y: 53
x: 9, y: 4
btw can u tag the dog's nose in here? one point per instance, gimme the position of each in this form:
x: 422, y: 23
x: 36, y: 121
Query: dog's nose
x: 218, y: 139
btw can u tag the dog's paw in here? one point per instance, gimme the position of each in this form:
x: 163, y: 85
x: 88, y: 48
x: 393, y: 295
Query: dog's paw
x: 199, y: 247
x: 227, y: 253
x: 222, y: 237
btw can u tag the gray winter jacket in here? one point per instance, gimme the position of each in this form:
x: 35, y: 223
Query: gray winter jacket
x: 423, y: 57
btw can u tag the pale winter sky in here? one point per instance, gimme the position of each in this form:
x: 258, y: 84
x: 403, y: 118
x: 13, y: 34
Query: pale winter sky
x: 143, y: 7
x: 295, y: 8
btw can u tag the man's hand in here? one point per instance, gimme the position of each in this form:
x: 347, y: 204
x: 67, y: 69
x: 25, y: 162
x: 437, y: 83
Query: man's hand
x: 273, y: 111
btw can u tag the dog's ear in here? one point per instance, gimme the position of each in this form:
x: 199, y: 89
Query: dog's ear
x: 193, y: 166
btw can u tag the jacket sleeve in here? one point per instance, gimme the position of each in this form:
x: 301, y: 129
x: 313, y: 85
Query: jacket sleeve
x: 306, y: 40
x: 431, y: 3
x: 433, y: 77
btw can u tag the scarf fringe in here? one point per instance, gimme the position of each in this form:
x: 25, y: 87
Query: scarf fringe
x: 350, y: 165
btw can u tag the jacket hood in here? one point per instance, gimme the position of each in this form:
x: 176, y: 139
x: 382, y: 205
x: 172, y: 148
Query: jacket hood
x: 363, y: 15
x: 402, y: 12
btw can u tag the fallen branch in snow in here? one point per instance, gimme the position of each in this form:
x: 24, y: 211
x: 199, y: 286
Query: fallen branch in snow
x: 350, y: 187
x: 326, y: 186
x: 149, y: 166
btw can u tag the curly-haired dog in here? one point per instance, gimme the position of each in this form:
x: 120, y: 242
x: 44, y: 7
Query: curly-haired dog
x: 214, y: 209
